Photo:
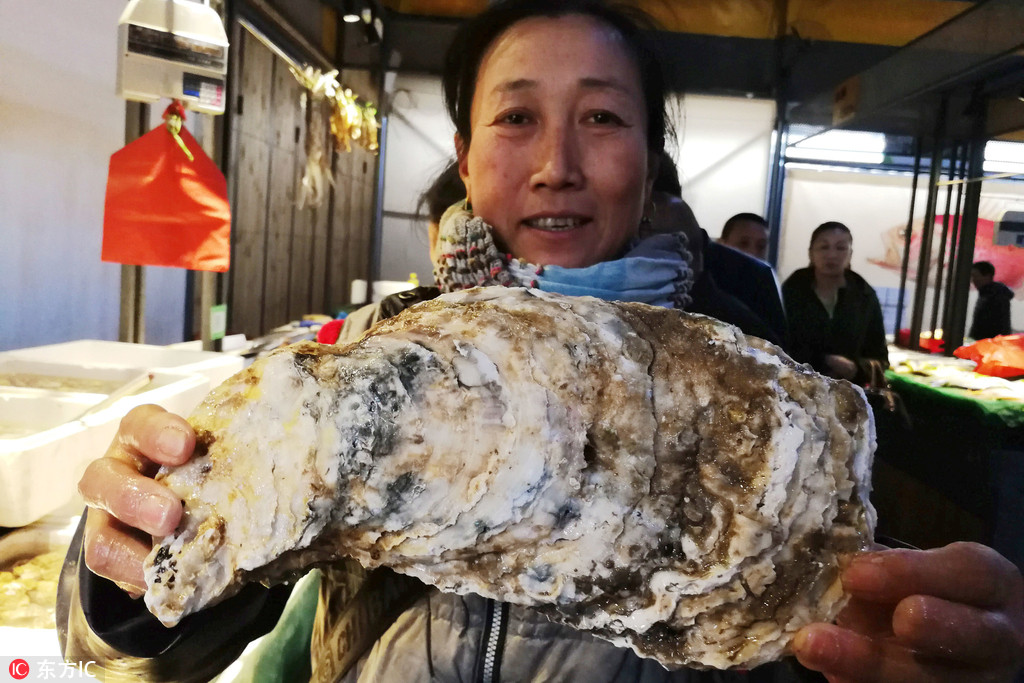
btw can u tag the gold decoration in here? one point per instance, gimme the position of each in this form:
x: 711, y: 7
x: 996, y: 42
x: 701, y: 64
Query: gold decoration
x: 351, y: 119
x: 330, y: 106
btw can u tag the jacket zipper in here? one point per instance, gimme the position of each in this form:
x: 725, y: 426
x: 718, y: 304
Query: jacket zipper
x: 495, y: 615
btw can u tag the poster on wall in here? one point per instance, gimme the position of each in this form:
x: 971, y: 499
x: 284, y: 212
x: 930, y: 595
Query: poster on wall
x: 875, y: 208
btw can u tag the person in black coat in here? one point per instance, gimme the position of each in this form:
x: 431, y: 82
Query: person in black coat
x: 835, y: 320
x: 992, y: 310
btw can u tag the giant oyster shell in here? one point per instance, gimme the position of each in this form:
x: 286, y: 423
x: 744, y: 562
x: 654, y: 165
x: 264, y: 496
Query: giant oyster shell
x: 651, y: 476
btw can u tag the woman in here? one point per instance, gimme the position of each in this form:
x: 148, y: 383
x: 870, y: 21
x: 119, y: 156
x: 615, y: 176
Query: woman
x: 835, y: 320
x: 558, y: 111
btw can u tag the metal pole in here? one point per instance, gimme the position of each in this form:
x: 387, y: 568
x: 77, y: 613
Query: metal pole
x: 965, y: 252
x: 927, y: 230
x: 942, y: 243
x: 384, y: 107
x: 777, y: 169
x: 905, y: 266
x: 132, y: 326
x: 955, y: 238
x: 776, y: 181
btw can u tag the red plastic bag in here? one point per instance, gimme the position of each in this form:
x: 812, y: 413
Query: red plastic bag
x: 162, y: 209
x: 1001, y: 356
x: 929, y: 344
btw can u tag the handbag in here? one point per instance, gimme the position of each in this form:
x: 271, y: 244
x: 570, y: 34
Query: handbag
x: 885, y: 402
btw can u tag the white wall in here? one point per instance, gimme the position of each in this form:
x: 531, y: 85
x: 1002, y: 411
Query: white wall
x: 419, y: 146
x: 59, y: 123
x: 724, y: 155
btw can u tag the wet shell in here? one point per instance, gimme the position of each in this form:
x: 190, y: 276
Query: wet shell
x: 648, y: 475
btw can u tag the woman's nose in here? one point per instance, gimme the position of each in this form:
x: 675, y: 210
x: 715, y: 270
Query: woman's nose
x: 557, y: 161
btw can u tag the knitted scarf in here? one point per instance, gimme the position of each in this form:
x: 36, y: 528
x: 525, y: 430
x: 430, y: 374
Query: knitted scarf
x: 654, y: 270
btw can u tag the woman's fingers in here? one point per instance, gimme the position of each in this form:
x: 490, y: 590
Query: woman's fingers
x: 867, y: 618
x: 116, y: 487
x: 843, y: 655
x: 147, y: 437
x: 127, y: 506
x: 955, y: 614
x: 149, y: 434
x: 115, y: 551
x: 957, y: 632
x: 961, y: 572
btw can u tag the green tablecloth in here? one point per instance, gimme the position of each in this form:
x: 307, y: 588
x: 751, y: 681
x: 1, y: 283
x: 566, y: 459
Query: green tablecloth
x: 991, y: 414
x: 955, y: 472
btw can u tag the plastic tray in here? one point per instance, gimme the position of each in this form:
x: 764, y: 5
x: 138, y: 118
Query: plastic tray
x: 86, y: 353
x: 44, y: 449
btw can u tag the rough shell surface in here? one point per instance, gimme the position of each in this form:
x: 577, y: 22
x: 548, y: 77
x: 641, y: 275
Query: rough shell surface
x: 648, y: 475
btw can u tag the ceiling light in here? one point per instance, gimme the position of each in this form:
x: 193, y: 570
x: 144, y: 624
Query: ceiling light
x: 351, y: 15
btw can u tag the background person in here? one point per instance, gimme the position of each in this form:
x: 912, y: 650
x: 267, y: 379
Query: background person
x: 559, y: 110
x: 446, y: 189
x: 992, y: 309
x: 740, y: 277
x: 835, y: 320
x: 746, y: 232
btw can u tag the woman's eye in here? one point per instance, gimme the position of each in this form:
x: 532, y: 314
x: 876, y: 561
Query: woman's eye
x: 514, y: 118
x: 605, y: 118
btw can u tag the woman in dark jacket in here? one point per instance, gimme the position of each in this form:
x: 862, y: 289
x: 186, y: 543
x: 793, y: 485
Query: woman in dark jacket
x: 835, y: 320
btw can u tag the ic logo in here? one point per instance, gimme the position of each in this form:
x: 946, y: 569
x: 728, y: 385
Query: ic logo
x: 18, y: 669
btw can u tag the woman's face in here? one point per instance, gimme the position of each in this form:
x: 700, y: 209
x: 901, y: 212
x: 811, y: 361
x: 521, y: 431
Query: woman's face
x: 558, y: 161
x: 830, y: 252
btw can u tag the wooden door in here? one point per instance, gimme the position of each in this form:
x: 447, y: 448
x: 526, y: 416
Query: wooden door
x: 287, y: 261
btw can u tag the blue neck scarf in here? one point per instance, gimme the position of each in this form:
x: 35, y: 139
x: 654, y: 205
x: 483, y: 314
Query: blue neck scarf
x: 654, y: 270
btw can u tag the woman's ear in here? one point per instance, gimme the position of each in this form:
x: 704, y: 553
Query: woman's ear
x: 462, y: 154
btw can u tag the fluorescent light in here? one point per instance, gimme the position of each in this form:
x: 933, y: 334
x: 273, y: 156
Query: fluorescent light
x: 1004, y: 157
x: 845, y: 146
x: 835, y: 155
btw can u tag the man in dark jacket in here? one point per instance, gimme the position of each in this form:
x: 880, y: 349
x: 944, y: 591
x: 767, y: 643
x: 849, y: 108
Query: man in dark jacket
x: 992, y: 310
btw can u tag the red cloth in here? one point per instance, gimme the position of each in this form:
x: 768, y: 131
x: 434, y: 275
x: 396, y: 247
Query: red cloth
x: 162, y: 209
x: 1001, y: 356
x: 330, y: 332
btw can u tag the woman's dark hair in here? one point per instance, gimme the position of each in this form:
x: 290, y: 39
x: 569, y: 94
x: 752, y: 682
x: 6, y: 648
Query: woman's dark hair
x: 474, y: 37
x: 667, y: 178
x: 446, y: 189
x: 826, y: 227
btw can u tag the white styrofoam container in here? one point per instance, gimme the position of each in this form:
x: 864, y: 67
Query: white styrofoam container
x: 46, y: 449
x: 99, y: 353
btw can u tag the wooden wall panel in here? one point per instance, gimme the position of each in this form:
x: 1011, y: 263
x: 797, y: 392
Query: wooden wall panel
x: 248, y: 264
x: 301, y: 256
x: 340, y: 281
x: 279, y: 237
x: 257, y: 75
x: 290, y: 261
x: 252, y: 172
x: 281, y: 195
x: 363, y: 180
x: 318, y: 261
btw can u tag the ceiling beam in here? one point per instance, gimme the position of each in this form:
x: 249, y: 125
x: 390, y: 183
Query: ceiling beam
x: 869, y: 22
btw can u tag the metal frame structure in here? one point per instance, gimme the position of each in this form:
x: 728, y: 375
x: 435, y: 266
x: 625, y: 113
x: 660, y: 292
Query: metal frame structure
x: 952, y: 90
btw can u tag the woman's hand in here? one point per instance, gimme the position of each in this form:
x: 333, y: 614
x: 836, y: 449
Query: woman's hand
x: 127, y: 506
x: 841, y: 366
x: 950, y: 614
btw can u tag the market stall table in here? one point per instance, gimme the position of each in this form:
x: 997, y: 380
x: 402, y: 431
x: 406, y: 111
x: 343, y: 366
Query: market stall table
x: 956, y: 471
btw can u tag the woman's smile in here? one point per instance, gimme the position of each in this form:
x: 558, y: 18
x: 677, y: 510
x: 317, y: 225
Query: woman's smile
x: 556, y: 223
